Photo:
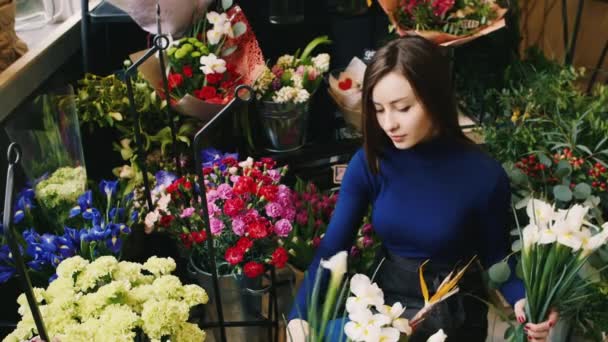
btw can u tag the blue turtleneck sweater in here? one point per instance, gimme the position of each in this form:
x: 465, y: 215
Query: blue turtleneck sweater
x: 440, y: 200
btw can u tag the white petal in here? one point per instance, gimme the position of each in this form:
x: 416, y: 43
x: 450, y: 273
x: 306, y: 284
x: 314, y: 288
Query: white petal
x: 546, y: 236
x: 403, y: 325
x: 381, y: 320
x: 540, y: 213
x: 389, y: 335
x: 336, y: 264
x: 530, y: 235
x: 359, y: 284
x: 371, y: 333
x: 571, y: 240
x: 353, y: 330
x: 363, y: 316
x: 439, y: 336
x: 298, y: 329
x: 354, y: 304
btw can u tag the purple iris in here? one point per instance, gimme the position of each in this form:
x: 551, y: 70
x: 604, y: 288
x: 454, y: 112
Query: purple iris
x: 164, y: 178
x: 211, y: 156
x: 108, y: 187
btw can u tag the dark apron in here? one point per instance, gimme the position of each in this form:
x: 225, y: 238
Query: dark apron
x: 462, y: 317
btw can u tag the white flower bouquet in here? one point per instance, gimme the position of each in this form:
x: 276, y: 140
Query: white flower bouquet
x: 107, y: 300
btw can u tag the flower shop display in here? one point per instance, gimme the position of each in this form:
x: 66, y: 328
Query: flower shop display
x: 107, y: 300
x: 204, y: 66
x: 446, y: 22
x: 93, y: 227
x: 345, y: 89
x: 362, y: 301
x: 249, y: 210
x: 283, y: 94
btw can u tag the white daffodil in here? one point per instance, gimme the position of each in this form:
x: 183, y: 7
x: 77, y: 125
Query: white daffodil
x: 403, y: 325
x: 546, y: 236
x: 211, y: 64
x: 570, y: 239
x: 393, y: 312
x: 216, y: 18
x: 214, y: 36
x: 573, y: 217
x: 540, y: 212
x: 365, y: 293
x: 336, y: 264
x: 439, y: 336
x: 594, y: 242
x: 389, y: 335
x: 530, y: 235
x: 365, y: 326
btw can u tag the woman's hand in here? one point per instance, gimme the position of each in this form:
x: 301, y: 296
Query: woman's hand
x: 297, y: 330
x: 536, y: 332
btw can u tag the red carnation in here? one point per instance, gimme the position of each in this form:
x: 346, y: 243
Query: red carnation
x: 234, y: 255
x: 253, y: 269
x: 229, y: 161
x: 269, y: 192
x: 257, y: 230
x: 208, y: 92
x: 279, y: 257
x: 233, y: 206
x: 186, y: 240
x: 244, y: 244
x: 268, y: 162
x: 199, y: 237
x: 166, y: 220
x: 187, y: 70
x: 207, y: 170
x: 214, y: 78
x: 175, y: 80
x: 244, y: 185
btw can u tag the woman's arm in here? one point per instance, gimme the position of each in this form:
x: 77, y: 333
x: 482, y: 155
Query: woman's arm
x: 352, y: 204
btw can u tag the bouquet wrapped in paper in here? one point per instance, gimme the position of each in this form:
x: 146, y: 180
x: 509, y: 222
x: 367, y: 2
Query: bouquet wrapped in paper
x: 345, y: 89
x: 217, y: 54
x: 446, y: 22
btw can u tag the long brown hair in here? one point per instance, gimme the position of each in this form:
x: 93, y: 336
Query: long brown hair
x: 427, y: 69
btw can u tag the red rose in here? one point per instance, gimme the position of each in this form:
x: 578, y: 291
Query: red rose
x: 244, y: 244
x: 175, y: 80
x: 233, y: 206
x: 187, y: 70
x: 186, y: 240
x: 199, y: 237
x: 253, y: 269
x: 279, y: 257
x: 208, y: 92
x: 257, y: 230
x: 234, y: 255
x: 214, y: 78
x: 269, y: 192
x: 166, y: 220
x: 244, y: 185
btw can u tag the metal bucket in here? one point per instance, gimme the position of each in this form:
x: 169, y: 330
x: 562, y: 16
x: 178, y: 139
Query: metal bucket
x: 284, y: 124
x: 241, y: 301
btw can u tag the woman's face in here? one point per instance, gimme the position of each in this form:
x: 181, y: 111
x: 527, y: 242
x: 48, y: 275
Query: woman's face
x: 400, y: 115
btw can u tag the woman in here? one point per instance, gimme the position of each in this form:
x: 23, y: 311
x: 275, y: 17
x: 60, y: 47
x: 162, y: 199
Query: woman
x: 435, y: 195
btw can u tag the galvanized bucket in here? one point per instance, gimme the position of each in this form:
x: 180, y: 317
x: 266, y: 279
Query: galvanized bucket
x: 285, y: 124
x: 241, y: 301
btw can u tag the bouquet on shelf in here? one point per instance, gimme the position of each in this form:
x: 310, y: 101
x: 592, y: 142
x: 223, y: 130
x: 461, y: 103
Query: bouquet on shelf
x: 446, y: 22
x: 107, y: 300
x: 249, y: 210
x: 370, y: 319
x: 345, y: 89
x: 294, y: 78
x: 556, y: 245
x: 89, y: 231
x: 205, y: 66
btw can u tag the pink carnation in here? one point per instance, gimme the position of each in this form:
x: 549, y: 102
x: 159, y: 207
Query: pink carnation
x: 216, y: 226
x: 234, y: 179
x: 282, y: 228
x: 238, y: 226
x: 224, y: 191
x: 212, y: 195
x: 275, y: 175
x: 213, y: 209
x: 187, y: 212
x: 289, y: 213
x: 274, y: 209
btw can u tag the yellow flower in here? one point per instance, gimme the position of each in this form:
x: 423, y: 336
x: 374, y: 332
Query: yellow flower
x: 164, y: 317
x: 159, y: 266
x: 189, y: 332
x: 194, y: 295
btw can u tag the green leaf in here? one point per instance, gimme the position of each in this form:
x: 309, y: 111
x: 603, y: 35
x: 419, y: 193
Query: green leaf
x: 562, y: 193
x: 584, y: 149
x: 519, y: 270
x: 582, y: 191
x: 499, y: 272
x: 239, y: 29
x: 226, y: 4
x: 542, y: 157
x: 228, y: 51
x: 518, y: 177
x: 564, y: 169
x: 516, y: 246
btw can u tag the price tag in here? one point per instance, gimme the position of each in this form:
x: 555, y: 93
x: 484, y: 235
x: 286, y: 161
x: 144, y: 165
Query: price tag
x: 339, y: 170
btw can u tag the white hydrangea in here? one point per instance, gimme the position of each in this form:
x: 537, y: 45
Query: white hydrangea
x: 297, y: 80
x: 321, y: 62
x: 159, y: 266
x: 286, y: 61
x: 71, y: 266
x: 301, y: 96
x: 284, y: 95
x: 97, y: 272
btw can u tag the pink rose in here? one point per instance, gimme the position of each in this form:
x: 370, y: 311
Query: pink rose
x: 282, y: 228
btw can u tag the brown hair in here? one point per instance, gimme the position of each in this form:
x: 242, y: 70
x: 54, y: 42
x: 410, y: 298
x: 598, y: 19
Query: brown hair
x: 427, y: 69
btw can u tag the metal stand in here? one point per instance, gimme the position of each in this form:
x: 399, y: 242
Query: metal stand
x: 243, y: 94
x: 13, y: 156
x: 160, y: 44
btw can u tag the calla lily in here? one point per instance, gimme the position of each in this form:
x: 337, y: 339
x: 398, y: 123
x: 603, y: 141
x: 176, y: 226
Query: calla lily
x: 336, y: 264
